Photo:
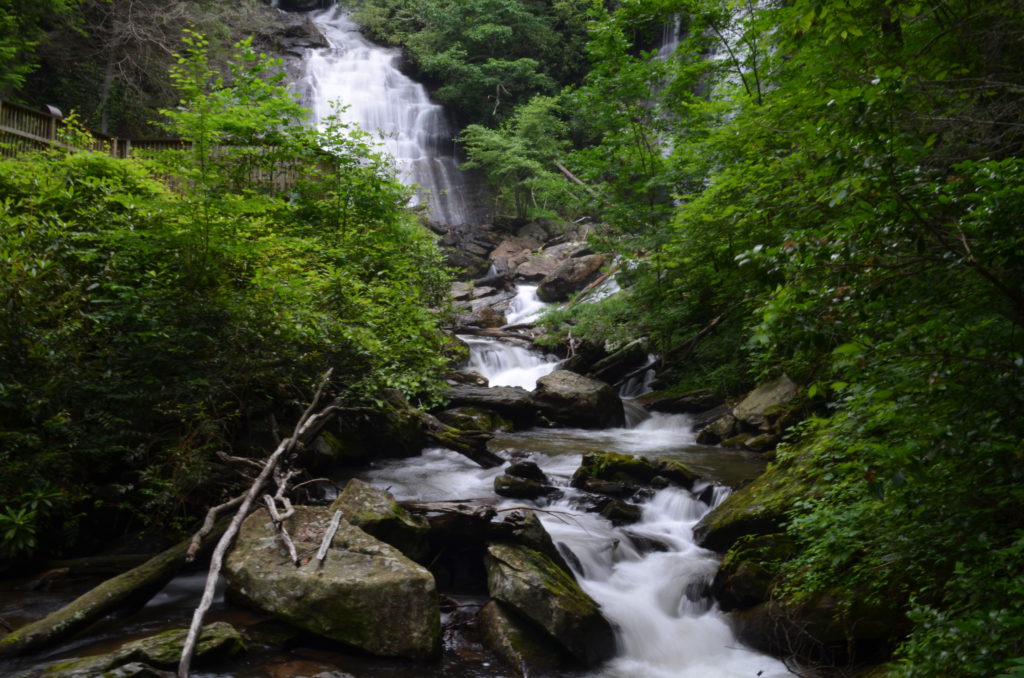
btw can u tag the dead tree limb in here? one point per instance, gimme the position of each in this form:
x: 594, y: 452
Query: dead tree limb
x: 282, y: 531
x: 285, y: 447
x: 132, y: 587
x: 332, y: 530
x: 208, y: 523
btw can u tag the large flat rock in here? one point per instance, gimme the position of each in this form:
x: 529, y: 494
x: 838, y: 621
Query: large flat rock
x: 366, y: 594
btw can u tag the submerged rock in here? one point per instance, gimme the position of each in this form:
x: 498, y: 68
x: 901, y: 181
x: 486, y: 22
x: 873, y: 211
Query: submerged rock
x: 144, y: 657
x: 533, y: 585
x: 366, y: 594
x: 376, y: 512
x: 571, y: 399
x: 523, y: 646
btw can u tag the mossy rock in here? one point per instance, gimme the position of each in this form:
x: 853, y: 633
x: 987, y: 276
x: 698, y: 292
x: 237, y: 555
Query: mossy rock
x: 163, y: 650
x: 468, y: 418
x: 522, y: 645
x: 599, y: 468
x: 745, y: 577
x: 537, y: 588
x: 377, y: 513
x: 394, y: 429
x: 756, y: 509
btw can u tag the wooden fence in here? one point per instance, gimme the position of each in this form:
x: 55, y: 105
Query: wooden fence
x: 25, y: 129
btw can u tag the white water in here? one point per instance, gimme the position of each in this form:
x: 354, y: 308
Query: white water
x: 504, y: 364
x: 666, y: 627
x: 383, y: 101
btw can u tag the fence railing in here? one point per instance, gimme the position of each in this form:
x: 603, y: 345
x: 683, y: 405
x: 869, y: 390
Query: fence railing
x: 25, y: 129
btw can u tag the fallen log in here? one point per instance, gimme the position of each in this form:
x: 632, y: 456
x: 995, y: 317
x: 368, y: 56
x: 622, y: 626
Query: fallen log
x: 132, y: 587
x: 474, y: 331
x: 470, y: 444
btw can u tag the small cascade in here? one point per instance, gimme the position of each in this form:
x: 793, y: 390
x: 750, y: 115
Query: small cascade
x: 505, y: 364
x: 412, y: 129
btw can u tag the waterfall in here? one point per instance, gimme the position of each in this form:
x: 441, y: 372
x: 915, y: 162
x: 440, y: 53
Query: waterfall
x: 409, y: 127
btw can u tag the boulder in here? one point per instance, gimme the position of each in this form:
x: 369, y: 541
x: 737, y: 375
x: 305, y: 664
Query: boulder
x: 303, y: 5
x: 518, y: 642
x: 145, y: 656
x: 722, y: 428
x: 512, y: 252
x: 511, y: 402
x: 571, y: 275
x: 468, y: 418
x: 376, y: 512
x: 512, y: 487
x: 755, y: 509
x: 765, y: 401
x: 690, y: 402
x: 533, y: 585
x: 394, y: 429
x: 620, y: 512
x: 621, y: 362
x: 618, y: 474
x: 366, y: 594
x: 571, y: 399
x: 745, y: 576
x: 536, y: 267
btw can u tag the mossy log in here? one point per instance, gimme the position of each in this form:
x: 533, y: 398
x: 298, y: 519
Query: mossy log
x: 133, y: 587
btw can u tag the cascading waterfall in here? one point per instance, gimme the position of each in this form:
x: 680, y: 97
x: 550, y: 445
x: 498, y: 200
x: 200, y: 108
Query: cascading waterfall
x: 383, y: 101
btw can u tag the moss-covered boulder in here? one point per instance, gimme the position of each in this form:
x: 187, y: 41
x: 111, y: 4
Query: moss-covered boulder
x: 144, y: 657
x: 571, y: 399
x: 394, y: 429
x: 533, y: 585
x: 764, y: 403
x: 745, y: 577
x: 756, y: 509
x: 681, y: 402
x: 620, y: 475
x: 519, y: 643
x: 366, y: 594
x: 376, y: 512
x: 468, y: 418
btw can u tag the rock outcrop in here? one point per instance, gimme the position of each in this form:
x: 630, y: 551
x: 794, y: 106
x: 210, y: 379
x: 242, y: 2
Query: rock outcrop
x: 366, y: 594
x: 571, y: 275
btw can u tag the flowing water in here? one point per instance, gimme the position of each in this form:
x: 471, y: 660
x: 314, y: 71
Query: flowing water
x: 394, y: 108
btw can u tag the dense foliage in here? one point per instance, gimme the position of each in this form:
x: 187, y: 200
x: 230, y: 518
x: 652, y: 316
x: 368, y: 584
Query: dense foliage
x: 834, y: 190
x: 486, y: 55
x: 154, y: 308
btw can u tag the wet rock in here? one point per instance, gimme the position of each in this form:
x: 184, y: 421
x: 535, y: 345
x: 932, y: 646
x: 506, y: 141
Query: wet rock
x: 474, y: 419
x: 571, y: 275
x: 762, y: 443
x: 620, y: 363
x: 366, y: 594
x: 570, y: 399
x: 512, y: 252
x: 720, y: 429
x: 583, y: 358
x: 539, y: 590
x: 536, y: 267
x: 765, y: 402
x: 520, y: 488
x: 528, y: 470
x: 525, y: 648
x: 376, y: 512
x: 756, y: 509
x: 528, y: 531
x: 622, y: 513
x: 466, y: 378
x: 514, y: 403
x: 303, y: 5
x: 392, y: 430
x: 606, y: 472
x: 745, y: 576
x: 691, y: 402
x: 737, y: 441
x: 142, y: 658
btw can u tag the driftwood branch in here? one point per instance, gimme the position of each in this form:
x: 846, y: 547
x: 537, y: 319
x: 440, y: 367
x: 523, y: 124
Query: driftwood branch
x: 285, y: 447
x: 282, y: 531
x: 332, y: 530
x: 576, y: 180
x: 207, y: 528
